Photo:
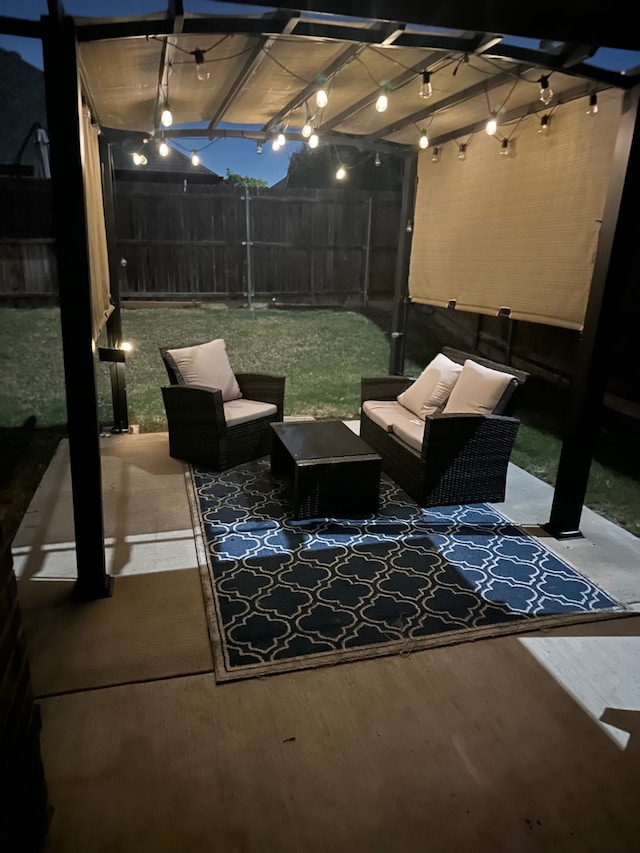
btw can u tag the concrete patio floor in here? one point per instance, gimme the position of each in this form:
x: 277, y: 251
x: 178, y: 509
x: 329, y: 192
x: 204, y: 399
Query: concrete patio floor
x: 524, y: 742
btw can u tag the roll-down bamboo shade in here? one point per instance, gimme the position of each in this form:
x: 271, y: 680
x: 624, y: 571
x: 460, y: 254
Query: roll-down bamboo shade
x: 516, y: 232
x: 98, y: 258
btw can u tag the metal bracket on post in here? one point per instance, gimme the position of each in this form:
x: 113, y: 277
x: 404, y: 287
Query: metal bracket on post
x: 115, y: 357
x: 397, y: 353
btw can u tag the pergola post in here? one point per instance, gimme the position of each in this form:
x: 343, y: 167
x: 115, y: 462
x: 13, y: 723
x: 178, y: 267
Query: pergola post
x: 401, y: 279
x: 613, y: 269
x: 74, y: 289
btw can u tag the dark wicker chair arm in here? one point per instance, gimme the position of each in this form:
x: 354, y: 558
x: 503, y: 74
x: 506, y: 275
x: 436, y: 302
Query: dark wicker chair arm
x: 484, y: 438
x: 185, y: 404
x: 383, y: 387
x: 264, y: 387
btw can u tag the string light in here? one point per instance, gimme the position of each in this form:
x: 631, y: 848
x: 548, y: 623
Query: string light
x: 436, y: 154
x: 322, y: 99
x: 313, y: 140
x: 195, y: 158
x: 383, y: 102
x: 281, y: 139
x: 426, y: 89
x: 504, y: 147
x: 546, y: 92
x: 202, y: 72
x: 139, y: 159
x: 275, y: 144
x: 423, y: 142
x: 462, y: 151
x: 166, y: 119
x: 163, y: 149
x: 377, y: 161
x: 258, y: 147
x: 593, y: 104
x: 341, y: 174
x: 307, y: 129
x: 544, y: 125
x: 492, y: 126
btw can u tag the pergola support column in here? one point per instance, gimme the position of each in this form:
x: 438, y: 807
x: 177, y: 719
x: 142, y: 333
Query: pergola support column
x: 401, y: 281
x: 613, y: 269
x: 74, y: 289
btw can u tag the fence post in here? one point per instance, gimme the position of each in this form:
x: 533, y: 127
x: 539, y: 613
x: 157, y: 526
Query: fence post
x: 365, y: 291
x: 247, y: 207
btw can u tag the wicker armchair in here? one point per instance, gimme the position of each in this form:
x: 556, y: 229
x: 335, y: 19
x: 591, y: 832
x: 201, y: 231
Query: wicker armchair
x: 464, y: 457
x: 198, y: 430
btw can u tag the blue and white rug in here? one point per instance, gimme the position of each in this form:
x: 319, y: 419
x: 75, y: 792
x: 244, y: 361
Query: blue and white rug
x: 284, y: 595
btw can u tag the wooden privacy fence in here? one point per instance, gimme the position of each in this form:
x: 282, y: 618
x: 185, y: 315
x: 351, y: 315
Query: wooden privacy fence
x: 188, y: 241
x: 197, y: 242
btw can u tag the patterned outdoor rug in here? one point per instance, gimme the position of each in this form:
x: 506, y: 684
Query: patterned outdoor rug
x: 283, y: 595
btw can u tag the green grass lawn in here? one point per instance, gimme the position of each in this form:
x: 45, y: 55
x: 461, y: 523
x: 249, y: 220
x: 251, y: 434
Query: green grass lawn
x: 322, y: 353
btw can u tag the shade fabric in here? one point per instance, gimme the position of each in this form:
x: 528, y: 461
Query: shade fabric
x: 98, y: 257
x: 480, y: 247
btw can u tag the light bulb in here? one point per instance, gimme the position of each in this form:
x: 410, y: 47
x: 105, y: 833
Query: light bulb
x: 504, y: 148
x: 377, y: 161
x: 137, y: 159
x: 593, y: 105
x: 462, y: 151
x: 126, y: 346
x: 163, y: 149
x: 259, y: 148
x: 436, y: 155
x: 195, y: 158
x: 281, y: 139
x: 143, y: 160
x: 166, y: 119
x: 546, y: 92
x: 322, y: 99
x: 492, y: 127
x: 275, y: 145
x: 307, y: 130
x: 341, y: 174
x: 426, y: 89
x: 313, y: 140
x: 201, y: 69
x: 382, y: 103
x: 423, y: 142
x: 544, y: 125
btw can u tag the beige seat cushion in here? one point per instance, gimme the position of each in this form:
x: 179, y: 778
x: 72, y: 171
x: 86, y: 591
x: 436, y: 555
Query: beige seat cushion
x: 240, y: 411
x: 387, y: 414
x: 478, y: 390
x: 381, y: 412
x: 206, y: 365
x: 432, y: 388
x: 411, y: 432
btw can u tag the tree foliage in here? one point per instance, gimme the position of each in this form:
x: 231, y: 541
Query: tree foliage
x: 237, y: 180
x: 316, y: 169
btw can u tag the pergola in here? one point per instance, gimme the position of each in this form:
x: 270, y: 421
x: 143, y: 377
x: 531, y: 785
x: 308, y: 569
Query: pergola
x: 442, y: 67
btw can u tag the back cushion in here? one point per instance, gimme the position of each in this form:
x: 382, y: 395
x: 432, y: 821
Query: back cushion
x: 206, y: 365
x: 431, y: 389
x: 478, y: 390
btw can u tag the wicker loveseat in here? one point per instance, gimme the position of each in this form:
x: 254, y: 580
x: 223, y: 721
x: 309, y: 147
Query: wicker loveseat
x: 218, y: 427
x: 443, y: 458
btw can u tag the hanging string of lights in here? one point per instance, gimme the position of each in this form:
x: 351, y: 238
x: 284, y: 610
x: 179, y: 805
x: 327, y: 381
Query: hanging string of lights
x: 320, y: 91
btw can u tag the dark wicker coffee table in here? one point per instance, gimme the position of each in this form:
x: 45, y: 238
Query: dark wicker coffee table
x: 332, y: 471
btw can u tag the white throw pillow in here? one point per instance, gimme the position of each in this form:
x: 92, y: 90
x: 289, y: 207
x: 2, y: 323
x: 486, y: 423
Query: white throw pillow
x: 431, y: 389
x: 206, y: 365
x: 478, y: 390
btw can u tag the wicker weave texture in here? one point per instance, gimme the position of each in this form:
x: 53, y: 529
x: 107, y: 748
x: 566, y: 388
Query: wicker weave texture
x: 468, y: 466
